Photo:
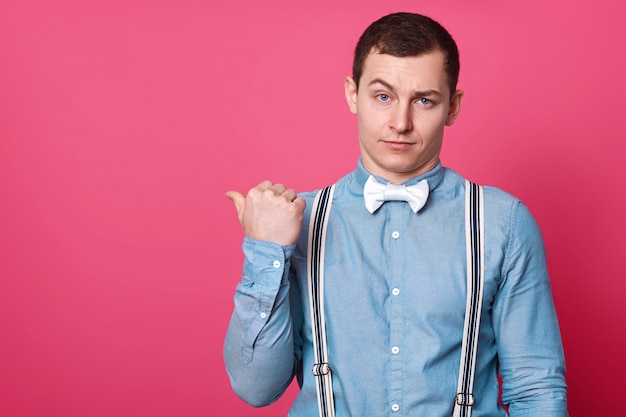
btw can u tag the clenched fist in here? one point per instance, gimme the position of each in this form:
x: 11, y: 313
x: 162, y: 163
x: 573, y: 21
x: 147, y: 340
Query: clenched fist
x: 270, y: 212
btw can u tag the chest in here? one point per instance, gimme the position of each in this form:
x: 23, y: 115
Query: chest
x: 399, y: 263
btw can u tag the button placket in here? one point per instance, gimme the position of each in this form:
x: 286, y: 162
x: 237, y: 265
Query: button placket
x: 395, y: 279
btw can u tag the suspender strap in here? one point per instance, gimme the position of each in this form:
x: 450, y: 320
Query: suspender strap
x: 315, y: 266
x: 475, y: 244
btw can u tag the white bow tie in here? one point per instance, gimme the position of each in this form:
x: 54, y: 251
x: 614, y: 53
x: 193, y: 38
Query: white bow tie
x: 375, y: 194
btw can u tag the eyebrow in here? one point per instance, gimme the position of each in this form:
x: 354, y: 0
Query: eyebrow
x: 393, y: 90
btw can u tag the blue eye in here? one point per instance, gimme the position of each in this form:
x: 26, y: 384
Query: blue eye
x: 425, y: 101
x: 384, y: 97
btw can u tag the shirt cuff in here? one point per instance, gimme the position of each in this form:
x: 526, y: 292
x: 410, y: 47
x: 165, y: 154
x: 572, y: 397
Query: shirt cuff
x: 265, y: 260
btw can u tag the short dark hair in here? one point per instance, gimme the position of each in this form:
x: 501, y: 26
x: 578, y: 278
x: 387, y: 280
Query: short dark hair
x: 404, y: 35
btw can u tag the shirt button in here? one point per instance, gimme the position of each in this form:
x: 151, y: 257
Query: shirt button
x: 262, y: 315
x: 395, y: 291
x: 395, y: 350
x: 395, y: 235
x: 395, y: 407
x: 276, y: 264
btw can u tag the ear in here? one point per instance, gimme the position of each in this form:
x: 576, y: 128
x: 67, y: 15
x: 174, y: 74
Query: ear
x: 350, y: 90
x: 455, y: 106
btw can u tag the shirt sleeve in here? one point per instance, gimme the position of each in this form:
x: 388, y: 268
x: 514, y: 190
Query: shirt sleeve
x: 259, y: 349
x: 532, y: 364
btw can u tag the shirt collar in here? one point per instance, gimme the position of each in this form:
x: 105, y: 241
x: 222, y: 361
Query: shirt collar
x: 434, y: 176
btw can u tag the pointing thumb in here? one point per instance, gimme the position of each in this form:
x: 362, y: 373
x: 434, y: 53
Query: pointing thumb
x: 239, y: 200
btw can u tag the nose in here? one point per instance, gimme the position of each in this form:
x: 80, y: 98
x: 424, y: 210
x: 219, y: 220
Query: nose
x: 401, y: 118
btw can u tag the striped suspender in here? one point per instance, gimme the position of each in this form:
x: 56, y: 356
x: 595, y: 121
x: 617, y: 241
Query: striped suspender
x: 315, y: 263
x: 475, y: 245
x: 474, y: 234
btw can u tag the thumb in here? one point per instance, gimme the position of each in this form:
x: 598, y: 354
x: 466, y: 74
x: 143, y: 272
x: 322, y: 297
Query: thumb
x: 239, y: 200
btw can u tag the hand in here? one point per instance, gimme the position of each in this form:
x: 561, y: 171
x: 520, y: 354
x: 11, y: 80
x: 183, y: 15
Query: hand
x: 270, y: 212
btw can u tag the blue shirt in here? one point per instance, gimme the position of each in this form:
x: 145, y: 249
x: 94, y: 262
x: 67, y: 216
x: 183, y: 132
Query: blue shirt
x: 395, y: 295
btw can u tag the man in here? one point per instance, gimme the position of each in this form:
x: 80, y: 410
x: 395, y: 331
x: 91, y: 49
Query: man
x: 395, y: 275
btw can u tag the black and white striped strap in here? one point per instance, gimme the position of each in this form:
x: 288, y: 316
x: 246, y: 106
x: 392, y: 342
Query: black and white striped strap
x: 475, y: 245
x: 315, y: 262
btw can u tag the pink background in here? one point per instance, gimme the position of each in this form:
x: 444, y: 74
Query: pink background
x: 123, y: 123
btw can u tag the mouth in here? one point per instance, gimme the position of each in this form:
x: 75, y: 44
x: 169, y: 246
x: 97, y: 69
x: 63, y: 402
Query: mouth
x: 397, y: 145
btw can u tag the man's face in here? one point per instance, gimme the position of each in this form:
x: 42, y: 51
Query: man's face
x: 402, y: 106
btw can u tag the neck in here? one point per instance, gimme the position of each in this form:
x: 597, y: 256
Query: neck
x: 400, y: 177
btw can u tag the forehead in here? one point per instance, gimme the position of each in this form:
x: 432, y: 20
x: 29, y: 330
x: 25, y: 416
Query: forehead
x: 426, y: 71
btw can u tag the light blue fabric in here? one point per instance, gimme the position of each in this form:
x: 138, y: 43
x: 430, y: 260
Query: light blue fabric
x: 395, y: 292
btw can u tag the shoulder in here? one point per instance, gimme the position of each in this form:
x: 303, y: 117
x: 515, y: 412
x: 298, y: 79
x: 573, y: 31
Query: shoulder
x: 453, y: 186
x: 494, y: 195
x: 496, y: 200
x: 512, y: 220
x: 343, y: 190
x: 506, y: 203
x: 503, y: 210
x: 347, y: 199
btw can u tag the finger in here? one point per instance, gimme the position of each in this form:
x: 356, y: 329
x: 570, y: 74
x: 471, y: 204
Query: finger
x: 300, y: 202
x: 239, y: 200
x: 278, y: 188
x: 265, y: 185
x: 290, y: 194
